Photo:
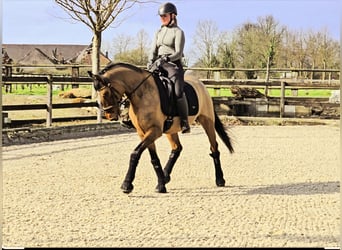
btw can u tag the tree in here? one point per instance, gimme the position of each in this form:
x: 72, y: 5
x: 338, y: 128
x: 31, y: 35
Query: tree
x: 121, y: 43
x: 226, y: 53
x: 248, y: 54
x: 271, y: 37
x: 142, y: 41
x: 321, y: 51
x: 97, y: 15
x: 258, y: 45
x: 205, y: 40
x: 131, y: 49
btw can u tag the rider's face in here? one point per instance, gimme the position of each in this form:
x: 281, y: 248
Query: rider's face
x: 165, y: 19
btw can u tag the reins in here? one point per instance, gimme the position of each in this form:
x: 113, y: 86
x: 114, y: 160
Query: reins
x: 130, y: 94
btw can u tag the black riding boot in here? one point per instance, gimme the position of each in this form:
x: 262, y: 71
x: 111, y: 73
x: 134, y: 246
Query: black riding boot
x: 182, y: 106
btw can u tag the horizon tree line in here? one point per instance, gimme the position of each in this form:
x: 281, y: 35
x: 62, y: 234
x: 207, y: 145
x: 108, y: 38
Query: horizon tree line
x: 262, y: 44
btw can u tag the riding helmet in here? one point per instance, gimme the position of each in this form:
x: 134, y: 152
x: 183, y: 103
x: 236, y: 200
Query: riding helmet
x: 167, y: 8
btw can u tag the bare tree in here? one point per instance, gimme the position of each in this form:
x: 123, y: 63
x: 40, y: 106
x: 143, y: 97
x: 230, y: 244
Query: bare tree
x: 142, y: 43
x: 271, y: 37
x: 122, y: 43
x: 321, y: 50
x: 131, y: 49
x: 97, y: 15
x: 206, y: 43
x: 226, y: 53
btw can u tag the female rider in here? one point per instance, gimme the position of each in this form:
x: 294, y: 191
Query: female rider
x: 168, y: 47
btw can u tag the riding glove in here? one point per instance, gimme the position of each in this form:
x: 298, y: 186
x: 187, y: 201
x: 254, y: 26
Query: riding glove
x: 161, y: 60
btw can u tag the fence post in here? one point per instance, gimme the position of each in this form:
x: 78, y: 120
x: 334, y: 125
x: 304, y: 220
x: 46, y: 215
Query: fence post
x: 75, y: 73
x: 8, y: 73
x: 282, y: 99
x: 49, y: 101
x: 217, y: 78
x: 8, y: 70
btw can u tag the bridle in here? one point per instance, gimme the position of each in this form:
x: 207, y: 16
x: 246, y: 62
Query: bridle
x: 113, y: 92
x: 116, y: 93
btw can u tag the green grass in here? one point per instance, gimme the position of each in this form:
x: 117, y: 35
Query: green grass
x: 223, y: 92
x: 302, y: 92
x: 35, y: 89
x: 276, y: 92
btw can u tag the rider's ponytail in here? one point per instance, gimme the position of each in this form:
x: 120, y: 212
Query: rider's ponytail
x: 173, y: 21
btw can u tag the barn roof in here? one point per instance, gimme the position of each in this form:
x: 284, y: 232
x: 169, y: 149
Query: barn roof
x: 46, y: 53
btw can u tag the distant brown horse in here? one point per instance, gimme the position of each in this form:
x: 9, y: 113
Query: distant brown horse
x: 146, y: 114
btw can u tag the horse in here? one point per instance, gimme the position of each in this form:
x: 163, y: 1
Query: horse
x: 139, y: 86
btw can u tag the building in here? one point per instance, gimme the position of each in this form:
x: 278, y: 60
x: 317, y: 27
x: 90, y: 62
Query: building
x: 49, y: 54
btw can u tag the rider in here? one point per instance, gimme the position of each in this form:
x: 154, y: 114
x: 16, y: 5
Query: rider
x: 168, y: 47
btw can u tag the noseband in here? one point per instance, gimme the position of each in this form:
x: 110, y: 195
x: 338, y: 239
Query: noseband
x: 113, y: 92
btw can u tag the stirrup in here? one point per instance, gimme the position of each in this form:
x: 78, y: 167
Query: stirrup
x: 185, y: 130
x: 185, y: 127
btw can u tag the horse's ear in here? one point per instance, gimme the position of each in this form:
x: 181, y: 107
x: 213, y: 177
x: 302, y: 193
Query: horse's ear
x: 98, y: 80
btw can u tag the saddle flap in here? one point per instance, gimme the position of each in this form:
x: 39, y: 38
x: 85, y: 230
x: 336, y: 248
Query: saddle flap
x: 167, y: 96
x: 168, y: 85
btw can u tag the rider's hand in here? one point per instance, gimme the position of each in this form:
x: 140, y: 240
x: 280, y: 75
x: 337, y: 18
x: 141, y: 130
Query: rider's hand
x: 164, y: 59
x: 149, y: 65
x: 152, y: 66
x: 161, y: 60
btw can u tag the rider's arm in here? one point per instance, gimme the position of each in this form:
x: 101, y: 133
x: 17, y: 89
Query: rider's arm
x: 179, y: 46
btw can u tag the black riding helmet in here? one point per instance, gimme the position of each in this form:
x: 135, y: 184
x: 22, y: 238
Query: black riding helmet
x: 167, y: 8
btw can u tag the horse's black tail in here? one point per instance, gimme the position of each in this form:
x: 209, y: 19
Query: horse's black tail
x: 222, y: 133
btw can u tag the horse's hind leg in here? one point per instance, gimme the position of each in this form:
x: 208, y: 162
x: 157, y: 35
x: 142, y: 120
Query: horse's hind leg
x: 209, y: 128
x: 220, y: 182
x: 157, y: 167
x: 175, y: 152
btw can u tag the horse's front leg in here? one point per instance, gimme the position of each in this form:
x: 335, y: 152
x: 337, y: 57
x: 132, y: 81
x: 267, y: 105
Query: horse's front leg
x: 175, y: 152
x: 148, y: 139
x: 157, y: 167
x: 127, y: 185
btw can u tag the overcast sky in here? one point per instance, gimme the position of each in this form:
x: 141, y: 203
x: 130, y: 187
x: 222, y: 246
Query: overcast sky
x: 44, y: 22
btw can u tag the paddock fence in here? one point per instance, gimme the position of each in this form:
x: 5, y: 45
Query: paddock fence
x: 245, y: 105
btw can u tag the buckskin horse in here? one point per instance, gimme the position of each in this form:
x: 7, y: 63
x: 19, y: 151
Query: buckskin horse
x: 147, y: 115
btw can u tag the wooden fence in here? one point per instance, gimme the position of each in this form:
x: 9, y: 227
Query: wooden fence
x: 217, y: 84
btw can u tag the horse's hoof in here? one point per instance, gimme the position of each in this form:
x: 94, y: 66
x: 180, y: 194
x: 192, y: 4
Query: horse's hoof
x: 161, y: 189
x: 220, y: 183
x: 127, y: 187
x: 167, y: 179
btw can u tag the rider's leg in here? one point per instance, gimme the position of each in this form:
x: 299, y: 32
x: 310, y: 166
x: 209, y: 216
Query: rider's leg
x: 124, y: 114
x: 182, y: 103
x: 182, y: 106
x: 176, y: 74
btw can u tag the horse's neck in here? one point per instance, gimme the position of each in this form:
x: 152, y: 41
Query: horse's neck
x: 124, y: 82
x: 137, y: 83
x: 144, y: 91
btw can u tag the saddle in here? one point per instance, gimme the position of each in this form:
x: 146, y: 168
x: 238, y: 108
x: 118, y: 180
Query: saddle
x: 168, y: 98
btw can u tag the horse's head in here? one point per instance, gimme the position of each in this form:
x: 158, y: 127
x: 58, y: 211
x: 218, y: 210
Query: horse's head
x: 109, y: 96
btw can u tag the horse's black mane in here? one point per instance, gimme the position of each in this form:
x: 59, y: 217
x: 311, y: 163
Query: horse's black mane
x: 120, y: 64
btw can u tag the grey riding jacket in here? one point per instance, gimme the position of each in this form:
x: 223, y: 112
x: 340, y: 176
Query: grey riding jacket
x: 168, y: 41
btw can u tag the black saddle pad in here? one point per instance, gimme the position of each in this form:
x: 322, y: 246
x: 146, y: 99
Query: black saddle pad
x: 167, y: 98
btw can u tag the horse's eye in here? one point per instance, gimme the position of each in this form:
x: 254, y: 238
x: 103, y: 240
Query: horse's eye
x: 107, y: 95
